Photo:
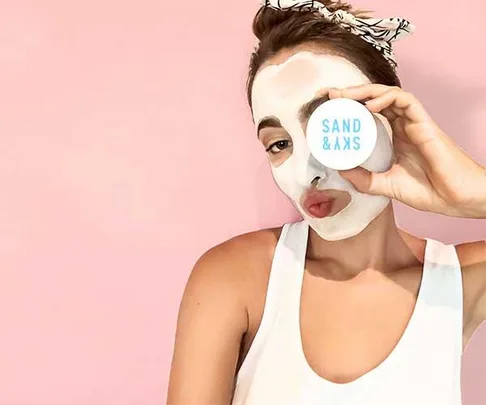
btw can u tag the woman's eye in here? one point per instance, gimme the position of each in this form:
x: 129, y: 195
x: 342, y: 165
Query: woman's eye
x: 278, y: 146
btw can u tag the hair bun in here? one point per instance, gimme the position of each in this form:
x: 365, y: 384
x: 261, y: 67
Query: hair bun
x: 267, y: 18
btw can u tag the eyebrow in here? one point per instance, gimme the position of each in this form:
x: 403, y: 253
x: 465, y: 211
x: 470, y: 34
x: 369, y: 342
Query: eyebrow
x: 305, y: 111
x: 268, y: 122
x: 308, y: 108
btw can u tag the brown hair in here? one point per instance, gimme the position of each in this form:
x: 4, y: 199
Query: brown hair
x: 278, y: 30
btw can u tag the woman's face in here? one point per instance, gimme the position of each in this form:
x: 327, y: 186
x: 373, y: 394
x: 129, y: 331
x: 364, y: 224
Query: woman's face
x: 285, y: 93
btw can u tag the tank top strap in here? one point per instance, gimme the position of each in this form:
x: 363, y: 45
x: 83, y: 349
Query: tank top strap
x: 286, y: 273
x: 442, y: 296
x: 287, y: 270
x: 284, y: 284
x: 291, y: 265
x: 444, y: 276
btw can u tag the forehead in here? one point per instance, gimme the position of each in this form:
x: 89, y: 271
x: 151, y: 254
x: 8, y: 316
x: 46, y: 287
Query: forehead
x: 281, y: 89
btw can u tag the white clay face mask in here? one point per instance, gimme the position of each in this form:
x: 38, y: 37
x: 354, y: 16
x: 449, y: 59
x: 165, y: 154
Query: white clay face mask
x: 318, y: 192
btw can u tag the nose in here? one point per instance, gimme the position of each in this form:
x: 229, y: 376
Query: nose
x: 316, y: 171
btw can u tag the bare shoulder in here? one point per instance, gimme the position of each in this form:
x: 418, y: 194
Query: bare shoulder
x: 243, y: 249
x: 236, y: 265
x: 471, y: 253
x: 214, y: 317
x: 472, y: 257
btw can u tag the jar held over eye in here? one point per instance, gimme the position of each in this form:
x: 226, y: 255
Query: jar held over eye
x: 341, y: 134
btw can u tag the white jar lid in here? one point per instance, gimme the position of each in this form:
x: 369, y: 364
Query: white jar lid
x: 341, y: 134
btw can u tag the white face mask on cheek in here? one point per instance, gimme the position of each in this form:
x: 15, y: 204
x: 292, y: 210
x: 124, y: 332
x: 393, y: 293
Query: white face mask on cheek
x: 279, y: 91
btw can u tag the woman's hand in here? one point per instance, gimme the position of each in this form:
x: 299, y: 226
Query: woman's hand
x: 431, y: 173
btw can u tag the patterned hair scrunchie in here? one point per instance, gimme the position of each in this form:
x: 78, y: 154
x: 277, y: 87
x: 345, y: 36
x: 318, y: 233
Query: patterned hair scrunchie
x: 379, y: 32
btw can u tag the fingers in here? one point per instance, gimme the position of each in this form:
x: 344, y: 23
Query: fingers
x: 394, y: 97
x: 368, y: 182
x: 390, y: 101
x: 362, y: 92
x: 388, y: 114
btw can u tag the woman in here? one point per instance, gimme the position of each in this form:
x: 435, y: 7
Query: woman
x: 343, y: 307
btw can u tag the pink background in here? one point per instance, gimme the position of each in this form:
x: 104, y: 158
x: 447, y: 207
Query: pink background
x: 111, y: 189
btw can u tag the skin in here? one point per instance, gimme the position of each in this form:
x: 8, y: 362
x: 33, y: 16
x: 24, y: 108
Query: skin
x: 373, y: 290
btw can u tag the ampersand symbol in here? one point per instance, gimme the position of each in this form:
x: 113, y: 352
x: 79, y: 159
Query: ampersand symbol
x: 326, y: 145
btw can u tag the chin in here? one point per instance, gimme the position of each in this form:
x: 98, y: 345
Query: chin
x: 349, y: 222
x: 340, y: 233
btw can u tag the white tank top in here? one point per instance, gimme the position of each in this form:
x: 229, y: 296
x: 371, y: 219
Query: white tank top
x: 423, y: 369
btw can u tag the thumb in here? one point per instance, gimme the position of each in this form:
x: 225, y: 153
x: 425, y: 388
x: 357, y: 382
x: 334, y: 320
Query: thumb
x: 368, y: 182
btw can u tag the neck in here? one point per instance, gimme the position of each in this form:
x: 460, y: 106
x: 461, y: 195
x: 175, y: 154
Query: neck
x: 380, y: 246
